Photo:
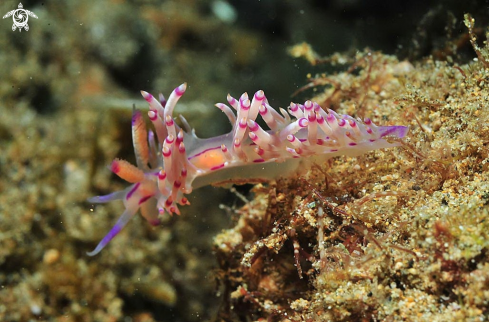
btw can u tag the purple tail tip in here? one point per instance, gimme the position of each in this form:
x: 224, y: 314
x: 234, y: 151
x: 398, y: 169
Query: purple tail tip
x: 396, y: 130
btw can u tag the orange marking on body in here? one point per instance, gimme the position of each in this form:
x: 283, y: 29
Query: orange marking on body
x: 127, y: 171
x: 209, y: 159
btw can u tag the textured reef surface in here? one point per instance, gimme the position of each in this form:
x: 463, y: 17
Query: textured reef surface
x: 390, y: 235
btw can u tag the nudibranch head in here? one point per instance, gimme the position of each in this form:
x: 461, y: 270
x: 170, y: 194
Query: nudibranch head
x: 171, y: 162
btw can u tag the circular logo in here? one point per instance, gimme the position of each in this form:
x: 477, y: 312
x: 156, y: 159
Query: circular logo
x: 20, y: 18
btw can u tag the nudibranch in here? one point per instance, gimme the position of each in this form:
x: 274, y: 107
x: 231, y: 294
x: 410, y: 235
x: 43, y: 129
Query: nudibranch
x: 172, y: 161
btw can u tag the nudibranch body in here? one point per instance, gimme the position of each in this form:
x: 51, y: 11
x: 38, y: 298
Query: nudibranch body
x: 171, y: 161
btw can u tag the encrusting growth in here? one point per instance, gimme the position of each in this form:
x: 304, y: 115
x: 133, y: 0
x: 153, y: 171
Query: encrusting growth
x: 173, y: 162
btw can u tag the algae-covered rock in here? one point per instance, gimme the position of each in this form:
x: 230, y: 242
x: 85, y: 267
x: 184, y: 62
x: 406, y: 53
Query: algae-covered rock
x: 399, y: 234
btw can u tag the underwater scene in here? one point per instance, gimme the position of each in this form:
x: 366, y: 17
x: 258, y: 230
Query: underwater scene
x: 244, y: 160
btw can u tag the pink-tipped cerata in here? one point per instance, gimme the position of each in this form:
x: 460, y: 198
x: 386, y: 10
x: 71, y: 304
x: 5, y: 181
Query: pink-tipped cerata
x: 175, y: 161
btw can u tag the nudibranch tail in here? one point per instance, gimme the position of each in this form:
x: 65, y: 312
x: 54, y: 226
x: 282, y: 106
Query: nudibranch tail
x: 397, y: 131
x: 172, y: 161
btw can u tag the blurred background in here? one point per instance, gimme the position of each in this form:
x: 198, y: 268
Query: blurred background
x: 67, y: 87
